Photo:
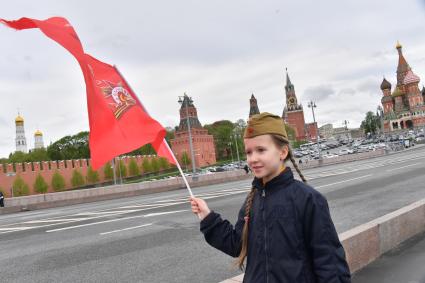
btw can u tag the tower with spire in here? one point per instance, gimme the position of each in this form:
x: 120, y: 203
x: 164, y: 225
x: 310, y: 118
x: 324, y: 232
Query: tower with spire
x: 20, y: 140
x: 253, y: 106
x: 38, y: 140
x: 203, y: 143
x: 403, y: 108
x: 293, y: 112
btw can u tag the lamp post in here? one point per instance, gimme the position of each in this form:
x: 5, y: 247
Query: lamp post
x: 11, y: 174
x: 185, y: 100
x: 312, y: 105
x: 113, y: 170
x: 380, y: 113
x: 236, y: 136
x: 231, y: 151
x: 346, y: 129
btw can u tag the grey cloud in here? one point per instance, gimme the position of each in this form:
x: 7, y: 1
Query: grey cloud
x: 318, y: 93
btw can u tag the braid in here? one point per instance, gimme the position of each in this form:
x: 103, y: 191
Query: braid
x: 291, y: 157
x: 244, y: 249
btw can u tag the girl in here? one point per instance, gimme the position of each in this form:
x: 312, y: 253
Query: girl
x: 284, y: 229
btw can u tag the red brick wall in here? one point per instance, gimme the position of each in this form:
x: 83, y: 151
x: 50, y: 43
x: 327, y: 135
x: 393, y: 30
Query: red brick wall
x: 203, y: 146
x: 29, y: 172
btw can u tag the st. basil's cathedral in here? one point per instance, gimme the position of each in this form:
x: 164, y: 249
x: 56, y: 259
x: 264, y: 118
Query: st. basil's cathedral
x: 403, y: 107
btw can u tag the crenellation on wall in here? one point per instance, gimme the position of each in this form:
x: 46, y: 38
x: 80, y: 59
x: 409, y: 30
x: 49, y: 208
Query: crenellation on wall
x: 18, y: 168
x: 29, y: 171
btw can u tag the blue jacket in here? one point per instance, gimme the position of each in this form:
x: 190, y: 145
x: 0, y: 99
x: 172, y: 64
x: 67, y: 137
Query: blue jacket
x: 291, y: 235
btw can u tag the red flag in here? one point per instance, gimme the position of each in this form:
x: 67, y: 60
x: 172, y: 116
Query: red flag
x: 118, y: 121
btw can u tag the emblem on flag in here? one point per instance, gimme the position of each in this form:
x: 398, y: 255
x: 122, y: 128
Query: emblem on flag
x: 119, y: 99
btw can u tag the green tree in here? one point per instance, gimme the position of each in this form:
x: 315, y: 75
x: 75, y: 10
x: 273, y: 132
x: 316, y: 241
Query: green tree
x: 92, y: 176
x: 20, y: 188
x: 163, y: 163
x: 36, y: 155
x: 18, y: 157
x: 133, y: 168
x: 40, y: 185
x: 155, y: 164
x: 146, y: 165
x: 121, y: 167
x: 185, y: 160
x: 58, y: 182
x: 70, y: 147
x: 371, y: 123
x: 107, y: 171
x: 77, y: 179
x: 222, y: 132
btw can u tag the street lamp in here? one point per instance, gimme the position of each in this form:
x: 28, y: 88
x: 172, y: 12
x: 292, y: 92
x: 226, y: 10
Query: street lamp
x: 312, y: 105
x: 231, y: 151
x: 346, y: 129
x: 236, y: 136
x: 380, y: 113
x: 11, y: 174
x: 186, y: 100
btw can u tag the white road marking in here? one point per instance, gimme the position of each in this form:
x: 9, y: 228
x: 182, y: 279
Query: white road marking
x: 125, y: 229
x: 100, y: 222
x: 164, y: 213
x: 56, y: 220
x: 349, y: 180
x: 398, y: 168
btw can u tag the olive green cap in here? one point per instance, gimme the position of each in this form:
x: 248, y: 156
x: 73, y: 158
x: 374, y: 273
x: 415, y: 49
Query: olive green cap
x: 263, y: 124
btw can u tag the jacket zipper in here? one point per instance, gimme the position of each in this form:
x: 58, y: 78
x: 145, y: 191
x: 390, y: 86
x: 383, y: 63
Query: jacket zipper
x: 265, y: 235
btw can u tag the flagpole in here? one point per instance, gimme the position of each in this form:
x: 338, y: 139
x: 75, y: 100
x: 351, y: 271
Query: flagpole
x: 165, y: 141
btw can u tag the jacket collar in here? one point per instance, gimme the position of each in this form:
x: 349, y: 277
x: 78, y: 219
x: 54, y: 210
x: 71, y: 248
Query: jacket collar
x: 282, y: 179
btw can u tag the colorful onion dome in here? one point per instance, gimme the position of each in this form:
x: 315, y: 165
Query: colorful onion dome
x: 397, y: 92
x: 385, y: 84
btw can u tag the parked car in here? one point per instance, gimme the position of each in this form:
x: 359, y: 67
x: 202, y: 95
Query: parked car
x: 345, y: 151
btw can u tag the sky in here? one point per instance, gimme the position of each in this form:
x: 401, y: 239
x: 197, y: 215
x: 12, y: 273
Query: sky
x: 218, y: 52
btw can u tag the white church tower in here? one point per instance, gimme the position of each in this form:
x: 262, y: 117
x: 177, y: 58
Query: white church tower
x: 21, y: 141
x: 38, y: 140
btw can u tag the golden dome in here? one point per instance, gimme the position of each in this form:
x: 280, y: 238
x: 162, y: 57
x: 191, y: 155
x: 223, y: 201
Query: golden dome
x: 38, y: 133
x: 19, y: 119
x: 398, y: 45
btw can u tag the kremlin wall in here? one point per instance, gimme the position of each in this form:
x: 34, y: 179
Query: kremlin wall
x: 28, y: 172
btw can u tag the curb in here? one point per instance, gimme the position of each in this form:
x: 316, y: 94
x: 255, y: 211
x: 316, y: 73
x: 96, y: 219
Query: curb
x: 59, y: 199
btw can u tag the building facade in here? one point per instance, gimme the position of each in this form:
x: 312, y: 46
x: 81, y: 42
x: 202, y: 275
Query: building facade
x: 404, y: 106
x: 203, y: 143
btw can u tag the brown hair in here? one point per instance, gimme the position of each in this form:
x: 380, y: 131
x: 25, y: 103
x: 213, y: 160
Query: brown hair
x: 279, y: 142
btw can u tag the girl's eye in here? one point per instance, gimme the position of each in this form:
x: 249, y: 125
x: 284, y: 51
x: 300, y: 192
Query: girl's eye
x: 248, y: 152
x: 261, y: 149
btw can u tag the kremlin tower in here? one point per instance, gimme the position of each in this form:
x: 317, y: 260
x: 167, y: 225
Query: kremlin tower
x: 293, y: 113
x: 253, y: 107
x: 203, y: 143
x: 21, y: 141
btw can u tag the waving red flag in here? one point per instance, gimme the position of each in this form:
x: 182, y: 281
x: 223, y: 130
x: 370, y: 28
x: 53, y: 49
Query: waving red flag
x: 118, y: 121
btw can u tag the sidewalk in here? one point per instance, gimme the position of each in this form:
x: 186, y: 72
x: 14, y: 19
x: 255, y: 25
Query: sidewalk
x: 404, y: 264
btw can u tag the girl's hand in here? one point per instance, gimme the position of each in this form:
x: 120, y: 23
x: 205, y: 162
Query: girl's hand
x: 200, y: 207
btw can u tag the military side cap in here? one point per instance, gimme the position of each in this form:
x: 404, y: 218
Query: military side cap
x: 263, y: 124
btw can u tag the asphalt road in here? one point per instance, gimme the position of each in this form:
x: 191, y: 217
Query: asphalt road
x: 155, y: 238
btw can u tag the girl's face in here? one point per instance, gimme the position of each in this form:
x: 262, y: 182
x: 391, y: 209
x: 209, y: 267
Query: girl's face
x: 264, y: 157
